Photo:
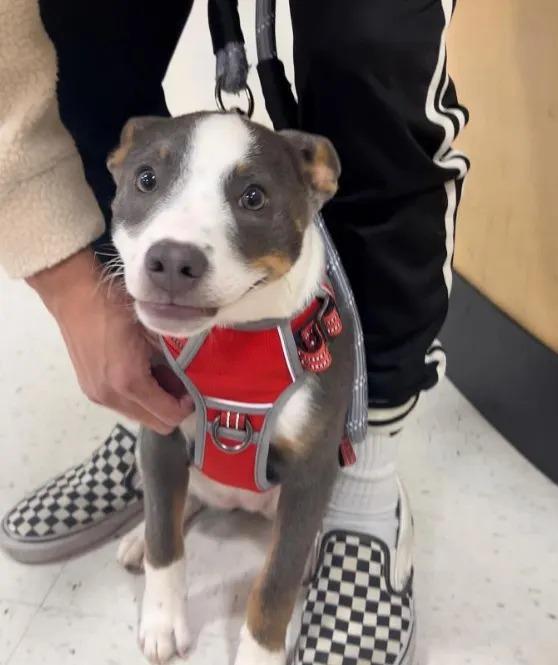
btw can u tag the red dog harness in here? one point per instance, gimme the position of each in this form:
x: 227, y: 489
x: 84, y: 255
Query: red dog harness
x: 239, y: 379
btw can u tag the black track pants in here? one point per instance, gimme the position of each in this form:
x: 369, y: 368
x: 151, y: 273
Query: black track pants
x: 370, y: 75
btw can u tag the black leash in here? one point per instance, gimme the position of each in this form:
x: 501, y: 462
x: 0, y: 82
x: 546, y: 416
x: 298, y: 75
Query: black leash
x: 277, y: 91
x: 232, y: 63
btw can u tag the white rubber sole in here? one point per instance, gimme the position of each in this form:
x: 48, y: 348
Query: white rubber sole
x: 58, y: 548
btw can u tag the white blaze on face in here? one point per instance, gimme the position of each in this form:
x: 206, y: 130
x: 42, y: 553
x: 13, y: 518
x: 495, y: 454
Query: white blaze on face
x: 196, y: 211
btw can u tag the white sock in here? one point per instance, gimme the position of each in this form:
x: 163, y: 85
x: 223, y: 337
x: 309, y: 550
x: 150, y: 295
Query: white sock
x: 365, y: 495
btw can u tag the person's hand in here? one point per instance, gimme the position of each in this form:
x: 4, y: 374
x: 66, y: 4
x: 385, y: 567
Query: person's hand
x: 109, y: 349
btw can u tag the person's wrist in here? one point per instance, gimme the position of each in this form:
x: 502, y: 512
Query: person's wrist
x: 77, y: 277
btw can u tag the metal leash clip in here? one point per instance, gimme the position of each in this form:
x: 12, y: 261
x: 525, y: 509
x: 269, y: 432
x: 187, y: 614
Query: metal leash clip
x: 248, y: 113
x: 231, y: 448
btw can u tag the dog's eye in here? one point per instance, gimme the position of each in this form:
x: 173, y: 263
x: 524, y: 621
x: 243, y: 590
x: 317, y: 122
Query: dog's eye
x: 146, y: 180
x: 253, y: 198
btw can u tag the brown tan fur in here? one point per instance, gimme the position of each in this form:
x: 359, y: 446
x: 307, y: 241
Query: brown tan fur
x: 275, y: 265
x: 323, y: 175
x: 242, y: 168
x: 301, y: 447
x: 117, y: 157
x: 320, y: 163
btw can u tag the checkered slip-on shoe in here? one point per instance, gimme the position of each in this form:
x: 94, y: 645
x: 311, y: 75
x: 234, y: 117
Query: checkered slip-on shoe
x: 79, y: 508
x: 359, y: 607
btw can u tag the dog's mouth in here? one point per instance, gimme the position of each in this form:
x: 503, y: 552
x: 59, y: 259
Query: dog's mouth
x: 171, y: 318
x: 165, y: 317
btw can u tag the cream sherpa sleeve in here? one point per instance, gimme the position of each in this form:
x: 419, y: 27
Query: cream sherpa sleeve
x: 47, y: 210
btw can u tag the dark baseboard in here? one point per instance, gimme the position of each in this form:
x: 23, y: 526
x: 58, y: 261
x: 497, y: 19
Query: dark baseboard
x: 510, y: 377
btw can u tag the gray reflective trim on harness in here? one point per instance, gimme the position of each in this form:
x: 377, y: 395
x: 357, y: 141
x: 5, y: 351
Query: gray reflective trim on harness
x: 300, y: 376
x: 190, y: 350
x: 201, y: 413
x: 291, y: 350
x: 357, y: 418
x: 225, y: 405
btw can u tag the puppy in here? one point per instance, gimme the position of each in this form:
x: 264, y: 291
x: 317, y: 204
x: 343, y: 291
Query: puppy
x: 213, y: 221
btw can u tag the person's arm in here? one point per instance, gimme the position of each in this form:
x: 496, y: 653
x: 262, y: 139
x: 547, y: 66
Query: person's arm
x: 47, y: 210
x: 108, y: 347
x: 48, y: 219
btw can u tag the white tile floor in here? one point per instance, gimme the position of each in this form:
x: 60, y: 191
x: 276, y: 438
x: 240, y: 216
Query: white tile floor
x: 486, y: 521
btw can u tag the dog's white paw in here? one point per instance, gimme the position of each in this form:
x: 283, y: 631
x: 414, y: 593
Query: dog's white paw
x: 163, y: 628
x: 131, y: 549
x: 164, y: 633
x: 251, y: 653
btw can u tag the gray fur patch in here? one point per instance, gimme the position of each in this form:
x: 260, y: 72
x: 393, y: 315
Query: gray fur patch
x: 277, y: 229
x: 164, y: 466
x: 161, y: 145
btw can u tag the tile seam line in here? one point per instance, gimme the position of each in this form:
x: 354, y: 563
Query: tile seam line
x: 34, y: 615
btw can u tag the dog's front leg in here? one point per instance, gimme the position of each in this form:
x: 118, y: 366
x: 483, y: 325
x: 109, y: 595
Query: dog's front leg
x: 163, y: 627
x: 271, y: 603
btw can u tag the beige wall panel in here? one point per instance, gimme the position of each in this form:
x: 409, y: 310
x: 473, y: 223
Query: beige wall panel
x: 504, y: 58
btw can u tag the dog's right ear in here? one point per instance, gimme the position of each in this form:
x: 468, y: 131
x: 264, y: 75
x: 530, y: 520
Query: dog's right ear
x: 320, y: 163
x: 127, y: 136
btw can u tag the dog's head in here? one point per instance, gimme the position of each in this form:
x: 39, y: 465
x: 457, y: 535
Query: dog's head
x: 208, y: 208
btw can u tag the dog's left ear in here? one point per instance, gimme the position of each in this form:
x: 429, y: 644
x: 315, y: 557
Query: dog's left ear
x: 320, y: 162
x: 127, y: 136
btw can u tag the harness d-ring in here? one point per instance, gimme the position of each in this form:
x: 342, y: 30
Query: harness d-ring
x: 241, y: 445
x: 221, y: 105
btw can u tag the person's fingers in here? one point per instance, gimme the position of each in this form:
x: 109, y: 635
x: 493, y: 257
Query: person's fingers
x: 136, y: 412
x: 151, y: 397
x: 112, y: 398
x: 135, y: 382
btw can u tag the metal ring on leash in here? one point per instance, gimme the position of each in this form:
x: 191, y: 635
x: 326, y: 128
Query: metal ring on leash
x: 240, y: 446
x: 236, y: 109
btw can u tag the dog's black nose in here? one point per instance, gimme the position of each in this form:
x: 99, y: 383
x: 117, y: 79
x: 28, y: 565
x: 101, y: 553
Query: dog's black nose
x: 175, y: 267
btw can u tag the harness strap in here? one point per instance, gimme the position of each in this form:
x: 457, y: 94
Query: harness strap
x: 313, y: 338
x: 322, y: 324
x: 315, y: 355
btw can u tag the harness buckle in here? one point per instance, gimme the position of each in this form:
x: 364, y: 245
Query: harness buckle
x: 231, y: 449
